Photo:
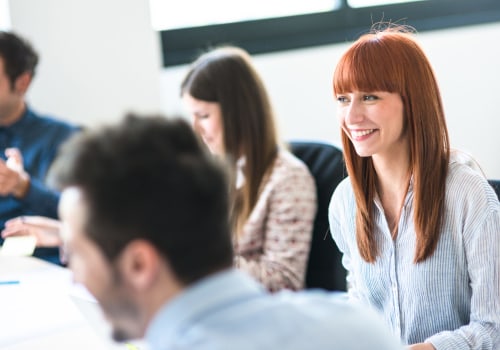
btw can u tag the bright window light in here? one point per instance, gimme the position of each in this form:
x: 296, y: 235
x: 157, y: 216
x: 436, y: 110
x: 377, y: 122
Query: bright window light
x: 168, y: 14
x: 4, y: 15
x: 367, y: 3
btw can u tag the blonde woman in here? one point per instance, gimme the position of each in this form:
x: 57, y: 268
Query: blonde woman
x: 273, y: 194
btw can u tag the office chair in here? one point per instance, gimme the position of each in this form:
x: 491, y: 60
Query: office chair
x: 326, y: 164
x: 496, y: 186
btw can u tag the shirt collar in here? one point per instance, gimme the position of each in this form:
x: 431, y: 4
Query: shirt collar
x: 19, y: 124
x: 199, y: 300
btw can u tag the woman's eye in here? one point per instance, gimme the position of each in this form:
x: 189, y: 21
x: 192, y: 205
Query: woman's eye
x: 342, y: 99
x: 370, y: 98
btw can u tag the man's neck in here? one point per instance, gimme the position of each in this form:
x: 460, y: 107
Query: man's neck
x: 13, y: 115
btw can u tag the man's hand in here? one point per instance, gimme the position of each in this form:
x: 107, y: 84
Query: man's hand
x: 14, y: 179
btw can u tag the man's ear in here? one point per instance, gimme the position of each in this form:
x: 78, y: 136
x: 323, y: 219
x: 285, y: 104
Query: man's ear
x: 140, y: 264
x: 22, y: 83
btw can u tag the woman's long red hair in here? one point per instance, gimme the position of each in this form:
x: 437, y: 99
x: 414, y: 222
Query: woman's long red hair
x: 392, y: 61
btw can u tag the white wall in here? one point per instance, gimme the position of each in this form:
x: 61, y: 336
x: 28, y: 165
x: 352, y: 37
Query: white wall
x: 99, y: 58
x: 466, y: 62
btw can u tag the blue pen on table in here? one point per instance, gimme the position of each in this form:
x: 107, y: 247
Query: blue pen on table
x: 4, y: 283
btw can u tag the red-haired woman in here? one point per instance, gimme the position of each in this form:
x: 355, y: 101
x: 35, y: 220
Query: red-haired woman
x: 420, y: 233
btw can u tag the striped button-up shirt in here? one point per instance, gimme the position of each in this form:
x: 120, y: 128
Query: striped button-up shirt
x: 452, y: 299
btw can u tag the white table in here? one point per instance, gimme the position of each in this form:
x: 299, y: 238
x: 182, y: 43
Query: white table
x: 39, y: 312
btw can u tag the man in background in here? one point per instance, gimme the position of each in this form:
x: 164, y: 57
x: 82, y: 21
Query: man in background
x: 144, y: 212
x: 28, y: 141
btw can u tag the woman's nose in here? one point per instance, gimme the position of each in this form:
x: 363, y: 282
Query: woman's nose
x: 354, y: 114
x: 195, y: 124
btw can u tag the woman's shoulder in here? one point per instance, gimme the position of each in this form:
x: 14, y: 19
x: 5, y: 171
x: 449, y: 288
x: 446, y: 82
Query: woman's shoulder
x: 287, y: 163
x: 342, y: 204
x: 290, y: 172
x: 467, y: 185
x: 343, y: 194
x: 288, y: 159
x: 344, y: 189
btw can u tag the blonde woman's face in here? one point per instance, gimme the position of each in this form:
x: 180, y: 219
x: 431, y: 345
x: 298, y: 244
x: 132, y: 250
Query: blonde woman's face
x: 206, y: 119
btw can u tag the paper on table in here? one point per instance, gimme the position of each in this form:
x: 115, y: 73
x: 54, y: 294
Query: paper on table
x: 27, y: 314
x: 18, y: 246
x: 40, y: 310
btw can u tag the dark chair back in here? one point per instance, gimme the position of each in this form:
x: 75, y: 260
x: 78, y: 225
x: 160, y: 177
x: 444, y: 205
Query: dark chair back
x: 496, y: 186
x: 326, y: 164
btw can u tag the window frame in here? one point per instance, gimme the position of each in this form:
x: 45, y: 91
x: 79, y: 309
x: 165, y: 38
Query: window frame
x: 181, y: 46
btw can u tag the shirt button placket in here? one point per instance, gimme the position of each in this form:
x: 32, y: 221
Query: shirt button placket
x: 394, y: 290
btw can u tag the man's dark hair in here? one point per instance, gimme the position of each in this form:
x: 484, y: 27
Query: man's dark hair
x: 18, y: 56
x: 150, y: 178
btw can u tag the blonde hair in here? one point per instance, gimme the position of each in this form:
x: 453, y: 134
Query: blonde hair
x: 226, y: 75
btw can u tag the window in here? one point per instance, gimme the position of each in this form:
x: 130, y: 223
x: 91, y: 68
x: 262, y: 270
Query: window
x: 166, y: 14
x: 367, y: 3
x: 4, y: 15
x: 344, y: 21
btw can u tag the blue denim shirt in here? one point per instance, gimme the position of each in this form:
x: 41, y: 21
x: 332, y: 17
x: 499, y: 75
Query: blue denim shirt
x: 38, y: 138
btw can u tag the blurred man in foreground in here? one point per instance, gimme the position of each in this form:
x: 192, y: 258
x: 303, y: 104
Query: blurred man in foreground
x: 145, y: 224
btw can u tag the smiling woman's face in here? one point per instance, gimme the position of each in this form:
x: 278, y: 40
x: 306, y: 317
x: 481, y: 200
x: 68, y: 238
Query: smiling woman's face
x: 373, y: 121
